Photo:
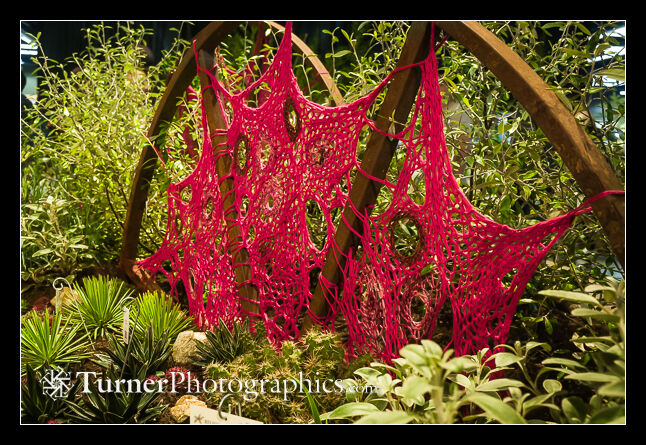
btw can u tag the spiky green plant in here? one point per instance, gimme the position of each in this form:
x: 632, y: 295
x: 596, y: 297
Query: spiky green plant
x: 116, y: 407
x: 35, y: 406
x: 50, y: 341
x: 99, y: 308
x: 162, y: 313
x: 223, y: 345
x: 140, y: 358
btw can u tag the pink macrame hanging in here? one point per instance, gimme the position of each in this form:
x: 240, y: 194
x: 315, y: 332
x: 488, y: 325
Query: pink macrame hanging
x: 290, y: 154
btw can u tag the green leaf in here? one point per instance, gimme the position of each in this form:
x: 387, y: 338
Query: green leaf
x: 574, y: 409
x: 499, y: 385
x: 575, y: 297
x: 414, y: 389
x: 387, y: 417
x: 592, y: 377
x: 505, y: 359
x: 42, y: 252
x: 614, y: 414
x: 495, y: 408
x: 350, y: 410
x: 618, y: 74
x: 341, y: 53
x: 583, y: 312
x: 552, y: 386
x: 613, y: 389
x: 564, y: 362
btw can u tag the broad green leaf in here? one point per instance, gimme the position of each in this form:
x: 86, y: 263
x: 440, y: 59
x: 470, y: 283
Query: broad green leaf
x: 387, y: 417
x: 582, y: 312
x: 505, y: 359
x: 564, y: 362
x: 575, y: 297
x: 613, y: 414
x: 613, y: 389
x: 552, y: 386
x: 592, y: 377
x: 350, y: 410
x: 614, y: 73
x: 495, y: 408
x: 499, y: 385
x: 574, y: 409
x: 415, y: 388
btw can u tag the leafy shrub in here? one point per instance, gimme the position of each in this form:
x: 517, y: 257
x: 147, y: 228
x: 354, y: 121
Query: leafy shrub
x: 607, y: 375
x: 50, y: 341
x: 162, y: 313
x: 99, y: 307
x: 79, y: 148
x: 426, y: 385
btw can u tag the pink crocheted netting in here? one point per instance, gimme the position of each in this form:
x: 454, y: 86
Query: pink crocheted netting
x: 292, y: 156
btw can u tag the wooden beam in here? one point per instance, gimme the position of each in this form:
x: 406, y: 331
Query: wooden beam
x: 224, y: 162
x: 179, y: 81
x: 398, y: 102
x: 586, y: 163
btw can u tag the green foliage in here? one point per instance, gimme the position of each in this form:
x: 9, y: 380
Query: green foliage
x: 50, y: 341
x: 36, y: 407
x: 223, y: 345
x: 606, y: 374
x: 426, y: 385
x: 162, y: 313
x: 506, y: 165
x: 140, y: 358
x: 116, y: 407
x: 318, y: 357
x: 80, y: 144
x: 99, y: 308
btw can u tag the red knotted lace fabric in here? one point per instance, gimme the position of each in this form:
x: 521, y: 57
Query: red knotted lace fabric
x: 291, y: 155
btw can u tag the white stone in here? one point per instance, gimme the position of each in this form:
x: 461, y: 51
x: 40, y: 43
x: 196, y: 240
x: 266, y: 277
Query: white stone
x: 184, y: 347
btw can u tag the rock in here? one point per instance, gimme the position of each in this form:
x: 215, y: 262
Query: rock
x: 67, y: 297
x: 184, y: 347
x: 182, y: 409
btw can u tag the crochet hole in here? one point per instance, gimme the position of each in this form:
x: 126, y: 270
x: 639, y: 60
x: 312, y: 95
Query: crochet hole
x: 405, y: 237
x: 186, y: 194
x: 258, y: 95
x: 417, y: 187
x: 418, y: 307
x: 292, y: 120
x: 244, y: 206
x: 508, y: 279
x: 209, y: 206
x: 241, y: 154
x: 316, y: 224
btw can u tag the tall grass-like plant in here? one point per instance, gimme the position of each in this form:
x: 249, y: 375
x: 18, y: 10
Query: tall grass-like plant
x: 99, y: 308
x: 163, y: 314
x: 51, y: 341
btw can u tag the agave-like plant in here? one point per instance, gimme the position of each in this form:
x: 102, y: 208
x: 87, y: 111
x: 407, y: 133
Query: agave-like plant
x: 140, y: 358
x: 50, y: 341
x: 223, y: 345
x: 36, y: 407
x: 162, y: 313
x: 115, y: 407
x: 99, y: 307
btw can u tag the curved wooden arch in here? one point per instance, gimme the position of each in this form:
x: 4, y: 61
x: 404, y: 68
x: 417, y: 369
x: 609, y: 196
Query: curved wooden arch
x: 205, y: 42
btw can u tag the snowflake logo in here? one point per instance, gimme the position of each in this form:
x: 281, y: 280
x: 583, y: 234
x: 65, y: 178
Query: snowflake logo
x: 56, y: 384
